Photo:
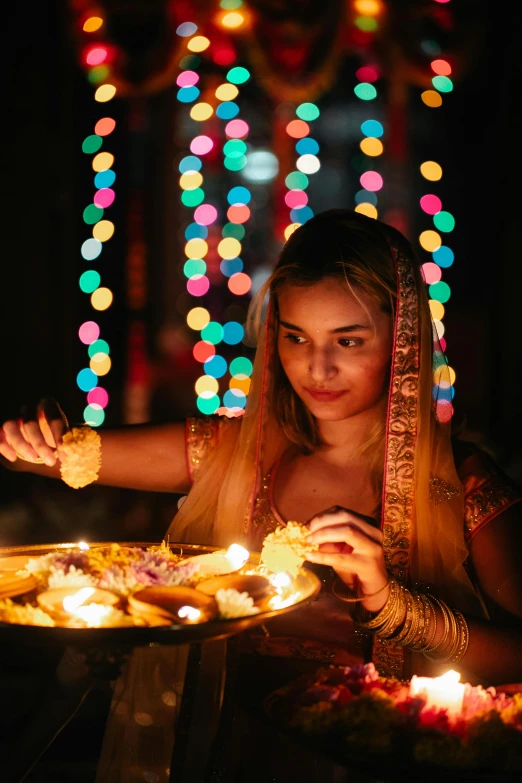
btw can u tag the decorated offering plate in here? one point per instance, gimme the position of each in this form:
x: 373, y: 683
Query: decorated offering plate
x: 428, y: 729
x: 138, y: 593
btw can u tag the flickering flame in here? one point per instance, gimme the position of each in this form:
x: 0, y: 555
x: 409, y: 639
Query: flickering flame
x: 72, y: 602
x: 189, y: 612
x: 277, y: 602
x: 449, y: 677
x: 83, y: 545
x: 237, y: 555
x: 280, y: 580
x: 93, y: 614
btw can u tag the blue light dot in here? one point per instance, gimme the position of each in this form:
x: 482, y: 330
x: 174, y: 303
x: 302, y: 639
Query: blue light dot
x: 187, y: 94
x: 234, y: 399
x: 227, y: 110
x: 87, y: 379
x: 441, y: 393
x: 372, y: 128
x: 301, y: 215
x: 104, y: 179
x: 444, y: 256
x: 215, y: 366
x: 366, y: 197
x: 91, y: 249
x: 233, y: 333
x: 190, y: 163
x: 195, y: 231
x: 307, y: 147
x: 186, y: 29
x: 231, y: 266
x: 239, y: 195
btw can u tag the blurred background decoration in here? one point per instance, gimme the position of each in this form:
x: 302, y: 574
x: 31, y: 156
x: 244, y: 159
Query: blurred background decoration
x: 163, y: 150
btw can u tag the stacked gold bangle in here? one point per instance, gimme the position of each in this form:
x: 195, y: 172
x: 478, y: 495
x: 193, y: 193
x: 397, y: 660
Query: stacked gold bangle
x: 409, y: 618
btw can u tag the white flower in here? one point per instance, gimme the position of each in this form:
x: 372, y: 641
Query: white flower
x: 75, y: 577
x: 232, y: 603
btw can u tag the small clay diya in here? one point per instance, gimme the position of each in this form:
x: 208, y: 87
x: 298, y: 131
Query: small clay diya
x: 177, y: 605
x: 255, y: 585
x: 51, y: 601
x: 12, y: 585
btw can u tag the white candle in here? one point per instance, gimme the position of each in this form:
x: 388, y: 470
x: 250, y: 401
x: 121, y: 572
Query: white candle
x: 444, y: 692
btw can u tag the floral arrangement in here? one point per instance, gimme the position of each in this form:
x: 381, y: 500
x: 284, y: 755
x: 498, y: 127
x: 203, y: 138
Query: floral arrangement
x: 123, y: 570
x: 352, y: 713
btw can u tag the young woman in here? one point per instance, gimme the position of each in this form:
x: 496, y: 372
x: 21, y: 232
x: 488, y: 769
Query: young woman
x: 343, y: 430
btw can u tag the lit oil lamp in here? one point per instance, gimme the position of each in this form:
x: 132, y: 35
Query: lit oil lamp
x: 88, y: 606
x: 224, y: 561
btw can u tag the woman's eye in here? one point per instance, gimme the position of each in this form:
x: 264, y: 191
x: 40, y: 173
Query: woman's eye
x: 347, y: 342
x: 294, y: 338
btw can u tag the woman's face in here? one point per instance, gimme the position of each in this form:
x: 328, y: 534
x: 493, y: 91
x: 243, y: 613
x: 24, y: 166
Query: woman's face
x: 335, y: 350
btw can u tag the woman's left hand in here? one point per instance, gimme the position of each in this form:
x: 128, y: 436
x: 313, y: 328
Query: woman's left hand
x: 353, y: 548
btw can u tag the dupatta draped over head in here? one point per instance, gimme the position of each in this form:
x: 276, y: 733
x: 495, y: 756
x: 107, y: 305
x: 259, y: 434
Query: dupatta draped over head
x: 422, y: 497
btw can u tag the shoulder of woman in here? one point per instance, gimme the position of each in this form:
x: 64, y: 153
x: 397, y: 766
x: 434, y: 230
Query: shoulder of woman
x: 203, y: 434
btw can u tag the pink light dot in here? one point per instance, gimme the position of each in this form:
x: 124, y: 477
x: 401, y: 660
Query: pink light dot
x: 104, y: 197
x: 432, y: 272
x: 371, y: 180
x: 205, y: 214
x: 444, y: 411
x: 296, y: 198
x: 98, y: 396
x: 201, y: 145
x: 442, y: 343
x: 96, y: 56
x: 187, y: 79
x: 89, y: 332
x: 368, y: 73
x: 236, y: 129
x: 198, y: 285
x: 431, y: 204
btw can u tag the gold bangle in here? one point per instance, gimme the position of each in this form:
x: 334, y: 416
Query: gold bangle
x: 358, y: 598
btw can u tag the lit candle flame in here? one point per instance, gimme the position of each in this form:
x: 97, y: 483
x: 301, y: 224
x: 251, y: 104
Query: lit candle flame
x: 93, y: 614
x: 72, y: 602
x: 280, y: 580
x: 445, y: 692
x: 237, y: 555
x: 83, y: 545
x: 189, y: 612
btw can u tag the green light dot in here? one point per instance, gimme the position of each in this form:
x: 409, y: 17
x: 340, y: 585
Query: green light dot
x: 367, y: 24
x: 230, y: 5
x: 208, y: 405
x: 98, y: 74
x: 92, y: 214
x: 93, y: 416
x: 233, y: 230
x: 194, y: 266
x: 92, y: 144
x: 365, y: 91
x: 238, y: 75
x: 307, y: 112
x: 192, y: 198
x: 190, y: 62
x: 212, y: 333
x: 89, y: 281
x: 442, y: 83
x: 98, y: 346
x: 241, y: 366
x: 297, y: 181
x: 444, y: 221
x: 234, y: 148
x: 440, y: 291
x: 235, y: 164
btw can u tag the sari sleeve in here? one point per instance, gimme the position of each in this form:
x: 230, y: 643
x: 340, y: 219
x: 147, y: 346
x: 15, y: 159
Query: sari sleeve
x: 487, y: 490
x: 201, y: 439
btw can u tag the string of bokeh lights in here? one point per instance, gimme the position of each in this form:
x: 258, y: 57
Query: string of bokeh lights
x: 307, y: 148
x: 432, y: 242
x: 205, y: 216
x: 96, y: 57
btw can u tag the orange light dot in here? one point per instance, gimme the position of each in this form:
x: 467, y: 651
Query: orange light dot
x: 102, y: 298
x: 431, y: 98
x: 289, y: 230
x: 240, y: 284
x: 238, y: 213
x: 104, y: 126
x: 372, y: 147
x: 430, y: 241
x: 298, y: 129
x: 100, y: 364
x: 367, y: 209
x: 92, y: 24
x: 437, y: 310
x: 431, y: 170
x: 243, y: 384
x: 368, y: 7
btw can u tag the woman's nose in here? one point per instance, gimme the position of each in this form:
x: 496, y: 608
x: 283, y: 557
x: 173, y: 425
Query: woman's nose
x: 321, y: 365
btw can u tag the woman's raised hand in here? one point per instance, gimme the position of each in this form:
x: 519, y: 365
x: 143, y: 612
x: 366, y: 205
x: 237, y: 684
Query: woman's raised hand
x: 35, y: 435
x: 353, y: 548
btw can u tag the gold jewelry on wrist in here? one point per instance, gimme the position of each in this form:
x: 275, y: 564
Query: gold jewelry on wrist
x: 356, y: 599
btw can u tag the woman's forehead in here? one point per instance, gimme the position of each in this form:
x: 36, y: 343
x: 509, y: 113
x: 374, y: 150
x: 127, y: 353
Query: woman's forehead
x: 327, y: 301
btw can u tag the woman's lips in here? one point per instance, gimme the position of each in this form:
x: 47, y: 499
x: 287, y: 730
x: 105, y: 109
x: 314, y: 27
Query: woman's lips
x: 325, y: 396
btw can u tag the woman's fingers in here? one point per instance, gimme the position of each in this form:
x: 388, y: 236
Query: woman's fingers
x: 33, y: 434
x: 341, y: 563
x: 51, y: 421
x: 337, y: 515
x: 349, y: 535
x: 6, y: 450
x: 13, y: 435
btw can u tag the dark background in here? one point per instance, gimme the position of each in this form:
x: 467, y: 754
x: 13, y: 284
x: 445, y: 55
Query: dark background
x: 48, y: 110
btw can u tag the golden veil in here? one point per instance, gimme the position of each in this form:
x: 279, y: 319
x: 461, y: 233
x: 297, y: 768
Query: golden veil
x: 422, y: 497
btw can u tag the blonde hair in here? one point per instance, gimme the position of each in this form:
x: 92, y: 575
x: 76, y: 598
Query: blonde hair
x: 330, y: 245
